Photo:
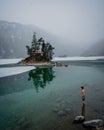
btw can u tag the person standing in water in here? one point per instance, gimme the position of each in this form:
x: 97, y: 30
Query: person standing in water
x: 83, y: 94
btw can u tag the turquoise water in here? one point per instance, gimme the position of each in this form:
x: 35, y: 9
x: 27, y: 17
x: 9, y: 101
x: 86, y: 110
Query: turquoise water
x: 50, y: 98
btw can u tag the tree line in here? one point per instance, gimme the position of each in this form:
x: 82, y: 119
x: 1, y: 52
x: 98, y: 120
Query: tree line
x: 40, y: 50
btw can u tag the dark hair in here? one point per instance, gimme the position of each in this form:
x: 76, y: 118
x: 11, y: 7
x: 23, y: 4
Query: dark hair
x: 82, y: 87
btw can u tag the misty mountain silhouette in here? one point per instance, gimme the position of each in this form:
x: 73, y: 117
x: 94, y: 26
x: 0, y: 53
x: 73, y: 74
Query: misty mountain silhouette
x: 96, y: 49
x: 14, y: 37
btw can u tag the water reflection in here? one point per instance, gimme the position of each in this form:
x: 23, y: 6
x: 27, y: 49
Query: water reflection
x: 83, y: 109
x: 41, y: 76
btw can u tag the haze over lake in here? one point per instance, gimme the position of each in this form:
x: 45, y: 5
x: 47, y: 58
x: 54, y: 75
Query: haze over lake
x: 77, y: 22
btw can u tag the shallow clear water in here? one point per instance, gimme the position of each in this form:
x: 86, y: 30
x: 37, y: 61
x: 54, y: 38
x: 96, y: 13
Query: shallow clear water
x: 50, y: 98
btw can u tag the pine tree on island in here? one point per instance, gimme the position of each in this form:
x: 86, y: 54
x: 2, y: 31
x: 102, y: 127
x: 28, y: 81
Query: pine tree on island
x: 39, y: 50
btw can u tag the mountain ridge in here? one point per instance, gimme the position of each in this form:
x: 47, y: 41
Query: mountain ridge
x: 15, y: 36
x: 97, y: 49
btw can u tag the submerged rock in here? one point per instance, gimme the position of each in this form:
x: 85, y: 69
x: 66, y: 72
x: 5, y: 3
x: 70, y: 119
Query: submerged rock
x: 61, y: 113
x: 68, y: 110
x: 21, y: 121
x: 79, y: 119
x: 55, y: 110
x: 62, y: 108
x: 94, y: 123
x: 25, y: 125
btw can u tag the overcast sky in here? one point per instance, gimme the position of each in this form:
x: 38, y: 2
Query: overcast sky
x: 77, y: 20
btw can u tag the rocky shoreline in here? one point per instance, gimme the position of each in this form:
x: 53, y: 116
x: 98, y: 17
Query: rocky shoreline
x: 41, y: 63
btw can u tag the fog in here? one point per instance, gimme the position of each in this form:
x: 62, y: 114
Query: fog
x: 80, y: 21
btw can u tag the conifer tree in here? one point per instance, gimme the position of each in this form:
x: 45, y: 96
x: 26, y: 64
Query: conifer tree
x: 40, y: 50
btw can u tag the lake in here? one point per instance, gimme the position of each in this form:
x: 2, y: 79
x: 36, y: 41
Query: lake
x: 49, y: 98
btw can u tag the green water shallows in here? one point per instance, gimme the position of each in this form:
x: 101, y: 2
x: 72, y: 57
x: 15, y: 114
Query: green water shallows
x: 50, y: 98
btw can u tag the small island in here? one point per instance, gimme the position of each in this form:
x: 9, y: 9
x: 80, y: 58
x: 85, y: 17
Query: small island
x: 40, y: 53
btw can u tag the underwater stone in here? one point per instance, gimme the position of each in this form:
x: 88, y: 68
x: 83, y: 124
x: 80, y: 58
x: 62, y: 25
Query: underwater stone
x: 68, y: 110
x: 23, y: 119
x: 55, y: 110
x: 9, y: 128
x: 94, y: 123
x: 26, y: 124
x: 79, y: 119
x: 61, y: 113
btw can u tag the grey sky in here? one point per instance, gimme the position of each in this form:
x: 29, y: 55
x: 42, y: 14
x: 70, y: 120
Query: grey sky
x: 77, y: 20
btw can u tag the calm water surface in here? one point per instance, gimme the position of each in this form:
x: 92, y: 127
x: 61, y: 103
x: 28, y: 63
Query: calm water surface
x: 50, y: 98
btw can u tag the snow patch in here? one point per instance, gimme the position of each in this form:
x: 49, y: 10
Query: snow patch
x: 9, y: 71
x: 78, y: 58
x: 9, y: 61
